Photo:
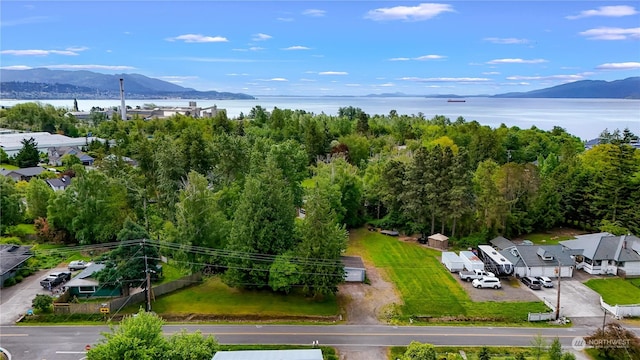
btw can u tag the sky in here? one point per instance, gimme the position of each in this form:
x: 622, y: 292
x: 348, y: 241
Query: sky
x: 314, y: 48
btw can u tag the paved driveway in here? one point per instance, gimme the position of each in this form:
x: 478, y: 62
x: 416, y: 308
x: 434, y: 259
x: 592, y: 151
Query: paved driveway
x: 576, y: 299
x: 16, y: 300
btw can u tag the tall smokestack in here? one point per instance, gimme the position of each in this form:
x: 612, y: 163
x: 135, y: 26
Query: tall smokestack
x: 123, y: 108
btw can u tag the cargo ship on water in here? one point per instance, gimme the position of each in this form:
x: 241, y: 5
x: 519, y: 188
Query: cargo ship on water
x: 456, y: 100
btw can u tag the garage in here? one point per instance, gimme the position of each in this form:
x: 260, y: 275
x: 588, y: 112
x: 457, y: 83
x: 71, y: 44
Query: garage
x: 353, y: 268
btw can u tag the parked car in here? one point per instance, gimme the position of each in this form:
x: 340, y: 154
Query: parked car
x: 54, y: 279
x: 487, y: 282
x: 475, y: 274
x: 531, y: 282
x: 545, y: 281
x: 78, y: 265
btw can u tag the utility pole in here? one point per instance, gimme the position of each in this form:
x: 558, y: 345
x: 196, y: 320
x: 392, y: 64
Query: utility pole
x: 148, y: 277
x: 558, y: 301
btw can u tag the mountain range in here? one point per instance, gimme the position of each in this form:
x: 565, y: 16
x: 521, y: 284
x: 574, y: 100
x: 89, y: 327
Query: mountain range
x: 44, y: 83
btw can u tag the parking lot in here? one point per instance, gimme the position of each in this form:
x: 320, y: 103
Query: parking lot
x: 576, y: 299
x: 511, y: 290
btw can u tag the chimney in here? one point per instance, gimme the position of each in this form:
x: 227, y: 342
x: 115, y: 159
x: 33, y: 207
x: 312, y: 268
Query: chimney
x: 123, y: 108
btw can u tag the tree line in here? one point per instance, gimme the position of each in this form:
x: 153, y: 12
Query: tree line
x: 237, y: 184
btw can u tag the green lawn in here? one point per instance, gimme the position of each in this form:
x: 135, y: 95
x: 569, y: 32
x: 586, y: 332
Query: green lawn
x: 26, y: 229
x: 215, y: 298
x: 547, y: 239
x: 426, y: 287
x: 8, y: 166
x: 616, y: 291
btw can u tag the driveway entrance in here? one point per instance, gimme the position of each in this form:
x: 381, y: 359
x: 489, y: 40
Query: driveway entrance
x: 576, y: 299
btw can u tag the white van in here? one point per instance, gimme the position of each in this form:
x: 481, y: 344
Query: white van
x: 487, y: 282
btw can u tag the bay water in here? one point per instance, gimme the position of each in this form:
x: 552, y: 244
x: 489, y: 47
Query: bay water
x: 585, y: 118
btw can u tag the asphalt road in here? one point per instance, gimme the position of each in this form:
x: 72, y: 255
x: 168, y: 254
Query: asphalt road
x: 68, y: 342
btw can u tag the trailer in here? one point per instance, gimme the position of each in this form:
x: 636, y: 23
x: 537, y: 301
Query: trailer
x: 471, y: 261
x: 494, y: 261
x: 452, y: 261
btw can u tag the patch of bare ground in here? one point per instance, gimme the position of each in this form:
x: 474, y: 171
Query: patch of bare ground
x: 367, y: 304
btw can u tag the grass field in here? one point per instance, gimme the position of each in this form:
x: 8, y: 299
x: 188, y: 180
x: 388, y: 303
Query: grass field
x: 427, y: 288
x: 215, y: 298
x: 617, y: 291
x: 547, y: 239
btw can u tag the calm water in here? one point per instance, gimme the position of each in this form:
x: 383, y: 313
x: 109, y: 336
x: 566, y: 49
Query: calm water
x: 585, y: 118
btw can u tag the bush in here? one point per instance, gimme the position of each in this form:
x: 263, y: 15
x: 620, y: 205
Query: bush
x: 9, y: 282
x: 18, y: 278
x: 43, y: 303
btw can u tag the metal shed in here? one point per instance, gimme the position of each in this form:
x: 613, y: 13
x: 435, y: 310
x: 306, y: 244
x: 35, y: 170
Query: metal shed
x: 353, y: 268
x: 294, y: 354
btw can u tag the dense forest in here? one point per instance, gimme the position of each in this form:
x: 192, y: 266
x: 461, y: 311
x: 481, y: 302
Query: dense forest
x: 234, y: 185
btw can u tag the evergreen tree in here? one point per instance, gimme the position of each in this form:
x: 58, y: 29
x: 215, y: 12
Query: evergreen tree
x: 28, y: 156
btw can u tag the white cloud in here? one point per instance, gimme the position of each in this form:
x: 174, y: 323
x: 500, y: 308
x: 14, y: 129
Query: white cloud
x: 419, y: 58
x: 16, y: 67
x: 175, y: 78
x: 261, y: 37
x: 507, y: 41
x: 353, y: 85
x: 491, y: 73
x: 236, y: 74
x: 445, y: 79
x: 333, y: 73
x: 607, y: 33
x: 256, y: 48
x: 278, y: 79
x: 609, y: 11
x: 387, y: 85
x: 38, y: 52
x: 574, y: 77
x: 297, y: 47
x: 206, y: 59
x: 307, y: 80
x: 90, y: 67
x: 429, y: 57
x: 516, y: 61
x: 408, y: 13
x: 619, y: 66
x: 24, y: 21
x: 198, y: 38
x: 314, y: 12
x: 77, y: 48
x: 285, y: 19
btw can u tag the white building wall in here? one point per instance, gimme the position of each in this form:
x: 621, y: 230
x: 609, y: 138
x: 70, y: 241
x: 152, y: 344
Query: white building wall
x: 631, y: 268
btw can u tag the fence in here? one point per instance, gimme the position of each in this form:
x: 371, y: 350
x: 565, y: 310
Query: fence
x: 115, y: 305
x: 541, y: 316
x: 620, y: 311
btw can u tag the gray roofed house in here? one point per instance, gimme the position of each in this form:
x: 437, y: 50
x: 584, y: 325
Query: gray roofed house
x: 23, y: 173
x: 501, y: 243
x: 12, y: 257
x: 292, y: 354
x: 540, y: 260
x: 85, y: 285
x: 604, y: 253
x: 56, y: 154
x: 60, y: 183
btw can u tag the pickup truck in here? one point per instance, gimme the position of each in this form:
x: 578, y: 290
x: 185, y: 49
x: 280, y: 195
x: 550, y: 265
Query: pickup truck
x: 475, y: 274
x: 54, y: 279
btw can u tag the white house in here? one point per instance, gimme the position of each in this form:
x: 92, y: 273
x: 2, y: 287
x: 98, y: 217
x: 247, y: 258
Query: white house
x: 604, y: 253
x: 536, y: 260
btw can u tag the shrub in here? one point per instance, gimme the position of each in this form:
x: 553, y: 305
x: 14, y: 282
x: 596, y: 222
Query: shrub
x: 9, y: 282
x: 42, y: 302
x: 18, y: 278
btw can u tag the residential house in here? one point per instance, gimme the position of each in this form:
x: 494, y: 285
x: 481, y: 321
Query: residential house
x: 60, y: 183
x: 604, y: 253
x: 23, y: 174
x: 540, y: 260
x: 11, y: 141
x: 85, y: 285
x: 125, y: 159
x: 56, y: 154
x: 353, y: 268
x: 12, y: 258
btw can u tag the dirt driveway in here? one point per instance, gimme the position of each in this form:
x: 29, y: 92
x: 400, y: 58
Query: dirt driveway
x: 367, y: 305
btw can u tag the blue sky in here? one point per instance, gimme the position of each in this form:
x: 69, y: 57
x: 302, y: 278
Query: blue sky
x: 330, y: 47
